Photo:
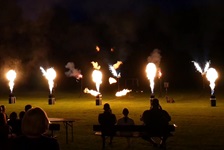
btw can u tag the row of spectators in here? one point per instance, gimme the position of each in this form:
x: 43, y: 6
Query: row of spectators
x: 26, y: 131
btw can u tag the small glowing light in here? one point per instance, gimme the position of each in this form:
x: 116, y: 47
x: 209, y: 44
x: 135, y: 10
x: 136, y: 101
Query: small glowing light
x: 97, y: 48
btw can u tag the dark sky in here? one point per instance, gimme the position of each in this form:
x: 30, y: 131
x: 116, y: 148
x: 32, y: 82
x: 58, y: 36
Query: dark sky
x: 50, y: 33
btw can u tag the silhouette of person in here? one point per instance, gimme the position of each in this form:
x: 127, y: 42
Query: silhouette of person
x: 4, y: 132
x: 14, y: 123
x: 157, y: 121
x: 107, y: 120
x: 125, y: 120
x: 21, y: 115
x: 27, y: 107
x: 3, y: 110
x: 34, y: 124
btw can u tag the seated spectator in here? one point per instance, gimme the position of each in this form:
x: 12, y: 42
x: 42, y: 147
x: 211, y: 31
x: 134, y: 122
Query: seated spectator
x: 157, y: 121
x: 21, y: 115
x: 3, y: 110
x: 4, y: 132
x: 27, y: 107
x: 34, y: 124
x: 126, y: 121
x: 14, y: 123
x: 107, y: 120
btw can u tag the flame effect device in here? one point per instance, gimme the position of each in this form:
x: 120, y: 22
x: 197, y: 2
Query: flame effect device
x: 99, y: 99
x: 51, y: 99
x: 12, y: 99
x: 151, y: 99
x: 213, y: 100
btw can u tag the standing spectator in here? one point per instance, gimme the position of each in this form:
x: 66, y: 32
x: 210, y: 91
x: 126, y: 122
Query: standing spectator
x: 125, y: 120
x: 107, y: 120
x: 34, y: 124
x: 157, y: 121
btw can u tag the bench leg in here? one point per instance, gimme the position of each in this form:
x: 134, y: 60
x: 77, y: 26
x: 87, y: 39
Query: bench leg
x: 149, y: 139
x: 163, y: 142
x: 103, y: 142
x: 128, y: 141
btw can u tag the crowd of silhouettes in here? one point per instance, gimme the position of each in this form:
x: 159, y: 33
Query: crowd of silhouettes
x: 26, y: 131
x: 155, y: 119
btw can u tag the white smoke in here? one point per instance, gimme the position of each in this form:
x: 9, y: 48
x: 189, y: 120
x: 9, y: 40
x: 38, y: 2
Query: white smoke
x: 155, y: 57
x: 72, y: 72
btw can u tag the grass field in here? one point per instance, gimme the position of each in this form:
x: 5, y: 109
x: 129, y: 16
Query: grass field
x: 200, y: 126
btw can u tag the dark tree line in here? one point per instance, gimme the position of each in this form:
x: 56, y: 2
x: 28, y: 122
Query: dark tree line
x: 71, y: 31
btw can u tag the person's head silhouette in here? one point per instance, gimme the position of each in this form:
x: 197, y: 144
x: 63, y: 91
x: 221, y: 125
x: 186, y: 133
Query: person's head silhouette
x: 106, y: 107
x: 155, y: 104
x: 125, y: 112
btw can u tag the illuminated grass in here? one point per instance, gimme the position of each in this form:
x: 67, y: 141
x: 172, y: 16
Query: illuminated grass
x: 200, y: 126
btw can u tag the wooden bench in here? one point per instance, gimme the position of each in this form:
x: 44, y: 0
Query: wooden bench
x: 137, y: 130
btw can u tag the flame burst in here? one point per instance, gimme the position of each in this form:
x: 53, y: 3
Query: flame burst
x: 212, y: 75
x: 92, y: 92
x: 97, y: 48
x: 96, y: 65
x: 97, y: 78
x: 50, y: 75
x: 122, y: 93
x: 97, y: 75
x: 151, y: 73
x: 199, y: 69
x: 112, y: 80
x: 159, y: 73
x: 116, y: 66
x: 113, y: 68
x: 11, y: 76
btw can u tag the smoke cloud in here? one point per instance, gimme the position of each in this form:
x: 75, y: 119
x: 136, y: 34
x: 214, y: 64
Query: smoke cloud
x: 72, y: 72
x: 155, y: 57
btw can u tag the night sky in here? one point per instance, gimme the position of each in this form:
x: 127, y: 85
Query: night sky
x: 50, y: 33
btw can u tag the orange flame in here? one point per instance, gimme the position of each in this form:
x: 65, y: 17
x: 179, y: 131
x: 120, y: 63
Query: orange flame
x: 92, y: 92
x: 159, y: 73
x: 122, y: 93
x: 112, y: 80
x: 97, y: 48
